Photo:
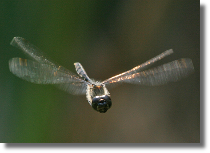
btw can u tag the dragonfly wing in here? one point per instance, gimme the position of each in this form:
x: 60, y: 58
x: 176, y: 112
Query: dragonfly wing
x: 142, y: 66
x: 31, y: 50
x: 76, y: 88
x: 165, y: 73
x: 45, y: 74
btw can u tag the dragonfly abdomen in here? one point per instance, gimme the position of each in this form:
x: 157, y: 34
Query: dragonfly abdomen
x: 81, y: 71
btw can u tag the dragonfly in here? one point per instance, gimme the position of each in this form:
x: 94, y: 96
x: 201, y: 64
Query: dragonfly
x: 42, y: 70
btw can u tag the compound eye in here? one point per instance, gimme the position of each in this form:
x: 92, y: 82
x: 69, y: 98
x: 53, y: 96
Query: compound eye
x: 101, y: 103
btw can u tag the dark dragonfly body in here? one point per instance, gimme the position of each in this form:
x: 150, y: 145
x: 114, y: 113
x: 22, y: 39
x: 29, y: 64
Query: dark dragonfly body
x: 96, y: 92
x: 41, y: 70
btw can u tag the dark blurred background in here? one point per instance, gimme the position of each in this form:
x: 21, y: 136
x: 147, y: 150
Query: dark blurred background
x: 107, y: 37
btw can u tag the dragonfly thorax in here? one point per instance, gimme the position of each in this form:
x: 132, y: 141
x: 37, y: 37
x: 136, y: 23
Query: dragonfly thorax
x: 98, y: 97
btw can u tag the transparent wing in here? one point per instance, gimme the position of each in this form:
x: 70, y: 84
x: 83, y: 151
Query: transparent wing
x: 46, y: 74
x: 31, y: 50
x: 44, y: 71
x: 165, y: 73
x: 76, y: 88
x: 142, y: 66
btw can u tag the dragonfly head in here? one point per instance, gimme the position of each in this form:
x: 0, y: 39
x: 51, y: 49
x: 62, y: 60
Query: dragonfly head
x: 101, y: 103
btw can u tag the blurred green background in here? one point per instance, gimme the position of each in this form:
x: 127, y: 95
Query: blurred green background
x: 107, y: 37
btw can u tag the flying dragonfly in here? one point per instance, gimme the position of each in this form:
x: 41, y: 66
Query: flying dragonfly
x: 42, y: 70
